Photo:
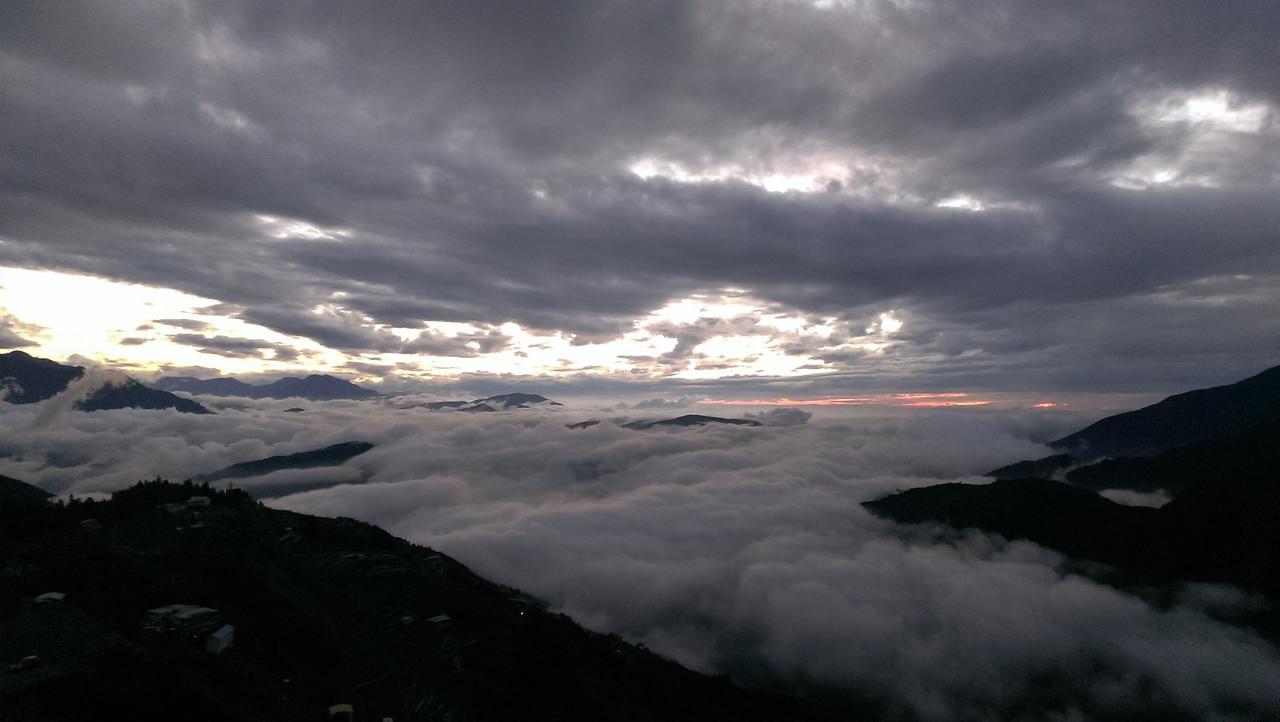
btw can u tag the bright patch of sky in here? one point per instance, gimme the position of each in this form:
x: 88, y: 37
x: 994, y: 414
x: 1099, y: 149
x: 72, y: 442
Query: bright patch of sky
x: 804, y: 178
x: 141, y: 328
x: 1208, y: 128
x: 291, y: 228
x: 109, y: 321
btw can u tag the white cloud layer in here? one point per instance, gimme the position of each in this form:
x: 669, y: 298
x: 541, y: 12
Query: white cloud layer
x: 736, y: 550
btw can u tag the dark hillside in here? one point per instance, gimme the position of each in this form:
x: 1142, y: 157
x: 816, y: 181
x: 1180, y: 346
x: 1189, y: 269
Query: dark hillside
x: 325, y: 611
x: 1185, y: 418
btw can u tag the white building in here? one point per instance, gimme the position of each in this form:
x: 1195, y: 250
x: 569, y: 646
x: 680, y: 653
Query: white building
x: 220, y: 640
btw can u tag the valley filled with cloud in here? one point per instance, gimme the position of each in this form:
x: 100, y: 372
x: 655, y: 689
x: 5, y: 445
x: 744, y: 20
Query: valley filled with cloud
x: 735, y: 550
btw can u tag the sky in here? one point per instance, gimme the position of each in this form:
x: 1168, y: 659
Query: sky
x: 735, y: 200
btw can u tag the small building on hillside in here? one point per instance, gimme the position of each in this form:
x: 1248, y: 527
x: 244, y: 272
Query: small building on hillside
x: 182, y: 618
x: 220, y: 640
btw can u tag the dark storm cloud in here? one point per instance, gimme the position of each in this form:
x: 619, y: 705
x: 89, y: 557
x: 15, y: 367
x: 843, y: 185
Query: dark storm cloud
x: 235, y: 347
x: 465, y: 344
x: 338, y: 329
x: 467, y: 162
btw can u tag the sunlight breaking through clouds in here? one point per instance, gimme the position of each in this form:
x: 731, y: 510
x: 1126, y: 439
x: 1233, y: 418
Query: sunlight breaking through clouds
x: 1209, y: 132
x: 814, y: 177
x: 292, y: 228
x: 704, y: 336
x: 1215, y: 109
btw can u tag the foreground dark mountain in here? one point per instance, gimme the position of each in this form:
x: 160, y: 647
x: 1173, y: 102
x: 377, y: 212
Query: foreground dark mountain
x: 325, y: 612
x: 1246, y: 454
x: 1045, y: 468
x: 28, y: 379
x: 316, y: 387
x: 1169, y: 446
x: 1249, y: 455
x: 332, y: 455
x: 1075, y: 521
x: 1223, y: 525
x: 13, y: 491
x: 1186, y: 418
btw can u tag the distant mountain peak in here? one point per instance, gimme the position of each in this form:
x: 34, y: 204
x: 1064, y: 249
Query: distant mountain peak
x: 323, y: 606
x: 332, y: 455
x: 691, y: 420
x: 27, y: 379
x: 516, y: 400
x: 501, y: 402
x: 314, y: 387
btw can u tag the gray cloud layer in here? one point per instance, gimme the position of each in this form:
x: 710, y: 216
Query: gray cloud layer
x: 468, y: 161
x: 736, y: 550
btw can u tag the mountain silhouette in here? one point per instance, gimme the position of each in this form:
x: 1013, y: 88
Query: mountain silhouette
x: 29, y: 379
x: 680, y: 421
x: 479, y: 407
x: 1181, y: 419
x: 1223, y: 532
x: 1075, y: 521
x: 690, y: 420
x: 1045, y: 468
x: 333, y: 455
x: 14, y: 491
x: 1247, y: 455
x: 316, y: 387
x: 132, y: 394
x: 502, y: 402
x: 1171, y: 445
x: 325, y: 612
x: 1222, y: 524
x: 516, y: 400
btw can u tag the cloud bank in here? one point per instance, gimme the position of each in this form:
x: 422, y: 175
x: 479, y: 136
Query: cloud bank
x: 737, y: 550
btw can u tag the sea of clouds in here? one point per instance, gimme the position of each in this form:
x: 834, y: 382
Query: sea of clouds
x: 736, y: 550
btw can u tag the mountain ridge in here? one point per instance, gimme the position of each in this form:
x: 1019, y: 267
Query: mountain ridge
x: 1222, y: 524
x: 325, y: 612
x: 1184, y: 418
x: 332, y: 455
x: 315, y: 387
x: 28, y: 379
